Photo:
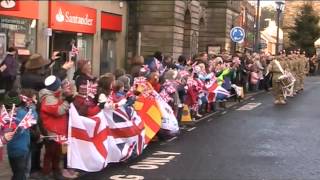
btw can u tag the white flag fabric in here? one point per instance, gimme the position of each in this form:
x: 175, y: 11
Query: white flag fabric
x: 113, y: 135
x: 169, y: 121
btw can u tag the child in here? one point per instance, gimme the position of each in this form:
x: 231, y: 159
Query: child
x: 84, y: 101
x: 118, y: 94
x: 105, y: 85
x: 53, y: 112
x: 19, y: 152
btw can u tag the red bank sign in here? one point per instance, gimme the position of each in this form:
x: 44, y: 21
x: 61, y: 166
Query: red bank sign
x: 71, y: 17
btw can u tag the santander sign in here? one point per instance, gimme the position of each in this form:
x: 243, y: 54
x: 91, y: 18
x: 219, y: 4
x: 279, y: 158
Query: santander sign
x: 68, y: 17
x: 72, y: 17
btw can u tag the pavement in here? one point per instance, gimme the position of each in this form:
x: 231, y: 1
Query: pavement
x: 253, y: 139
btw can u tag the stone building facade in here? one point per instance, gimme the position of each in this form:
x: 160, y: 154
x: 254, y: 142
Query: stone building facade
x: 291, y: 11
x: 182, y: 27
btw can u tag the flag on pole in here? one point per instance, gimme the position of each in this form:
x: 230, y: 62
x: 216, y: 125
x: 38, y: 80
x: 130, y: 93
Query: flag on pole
x: 61, y: 139
x: 4, y: 116
x: 74, y: 51
x: 27, y: 121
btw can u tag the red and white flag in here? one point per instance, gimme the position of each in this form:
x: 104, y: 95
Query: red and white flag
x: 4, y: 116
x: 91, y: 89
x: 109, y: 136
x: 61, y: 139
x: 27, y: 121
x: 74, y: 50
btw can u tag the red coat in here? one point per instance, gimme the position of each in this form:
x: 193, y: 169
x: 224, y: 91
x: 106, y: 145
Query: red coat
x: 53, y: 112
x: 86, y: 106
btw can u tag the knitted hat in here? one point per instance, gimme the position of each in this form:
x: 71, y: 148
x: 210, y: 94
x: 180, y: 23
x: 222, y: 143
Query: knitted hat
x: 52, y: 83
x: 12, y: 97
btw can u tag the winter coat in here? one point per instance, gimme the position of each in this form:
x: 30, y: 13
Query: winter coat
x: 12, y: 67
x: 20, y: 144
x: 53, y: 112
x: 86, y: 106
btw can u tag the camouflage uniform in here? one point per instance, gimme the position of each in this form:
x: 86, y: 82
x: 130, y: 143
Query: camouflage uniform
x: 301, y: 72
x: 292, y: 66
x: 276, y: 86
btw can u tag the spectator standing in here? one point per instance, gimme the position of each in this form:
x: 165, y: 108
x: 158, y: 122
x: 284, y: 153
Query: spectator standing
x: 9, y: 69
x: 83, y: 73
x: 53, y: 114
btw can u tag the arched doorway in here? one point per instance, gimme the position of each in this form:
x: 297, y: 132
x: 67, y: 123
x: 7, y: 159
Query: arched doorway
x: 187, y: 34
x: 202, y: 36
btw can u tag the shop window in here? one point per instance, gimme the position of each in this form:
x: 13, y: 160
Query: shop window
x: 108, y: 61
x: 19, y: 33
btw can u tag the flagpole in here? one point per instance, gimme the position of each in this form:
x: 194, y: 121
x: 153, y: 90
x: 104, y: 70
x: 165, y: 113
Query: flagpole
x: 11, y: 115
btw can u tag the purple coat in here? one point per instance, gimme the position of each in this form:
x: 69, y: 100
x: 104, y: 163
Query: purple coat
x: 12, y: 66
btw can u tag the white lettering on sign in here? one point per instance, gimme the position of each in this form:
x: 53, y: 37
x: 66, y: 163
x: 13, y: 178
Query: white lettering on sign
x: 69, y: 18
x: 155, y: 162
x: 128, y: 177
x: 165, y: 153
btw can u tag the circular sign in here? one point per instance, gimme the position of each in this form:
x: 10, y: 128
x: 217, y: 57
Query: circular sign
x: 237, y: 34
x: 8, y: 4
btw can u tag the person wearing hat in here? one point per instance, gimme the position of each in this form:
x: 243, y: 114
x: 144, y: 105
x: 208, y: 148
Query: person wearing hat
x: 53, y: 113
x: 8, y: 69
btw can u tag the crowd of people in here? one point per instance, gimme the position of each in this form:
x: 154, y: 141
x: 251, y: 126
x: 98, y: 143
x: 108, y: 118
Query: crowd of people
x: 44, y: 91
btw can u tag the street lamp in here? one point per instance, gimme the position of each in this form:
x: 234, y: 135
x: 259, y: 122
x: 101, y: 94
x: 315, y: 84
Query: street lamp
x: 280, y: 6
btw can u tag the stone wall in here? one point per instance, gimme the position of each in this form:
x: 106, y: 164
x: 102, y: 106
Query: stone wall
x: 181, y: 26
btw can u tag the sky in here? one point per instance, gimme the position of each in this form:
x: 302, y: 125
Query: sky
x: 264, y: 3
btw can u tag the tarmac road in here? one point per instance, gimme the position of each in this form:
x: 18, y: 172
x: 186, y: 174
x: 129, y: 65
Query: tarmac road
x: 259, y: 141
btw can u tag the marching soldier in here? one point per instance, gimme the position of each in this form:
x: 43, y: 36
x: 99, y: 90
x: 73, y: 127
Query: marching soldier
x: 301, y: 70
x: 276, y: 67
x: 307, y: 63
x: 292, y: 68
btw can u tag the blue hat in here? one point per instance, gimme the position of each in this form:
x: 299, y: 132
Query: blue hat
x: 52, y: 83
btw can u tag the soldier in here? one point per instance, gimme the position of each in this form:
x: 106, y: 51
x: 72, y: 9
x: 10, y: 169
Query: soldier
x: 307, y: 67
x: 297, y: 68
x: 276, y: 67
x: 292, y: 68
x: 301, y: 70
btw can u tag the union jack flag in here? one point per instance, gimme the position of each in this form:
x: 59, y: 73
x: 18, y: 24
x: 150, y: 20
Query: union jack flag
x: 165, y: 96
x: 27, y: 121
x: 74, y: 50
x: 184, y: 73
x: 4, y: 116
x: 140, y: 80
x: 61, y: 139
x: 91, y: 89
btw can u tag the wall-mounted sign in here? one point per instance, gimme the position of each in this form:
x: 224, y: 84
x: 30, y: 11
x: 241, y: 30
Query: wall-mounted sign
x: 72, y: 17
x: 111, y: 22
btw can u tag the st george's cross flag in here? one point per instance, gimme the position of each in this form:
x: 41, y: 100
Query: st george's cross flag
x: 113, y: 135
x: 88, y: 141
